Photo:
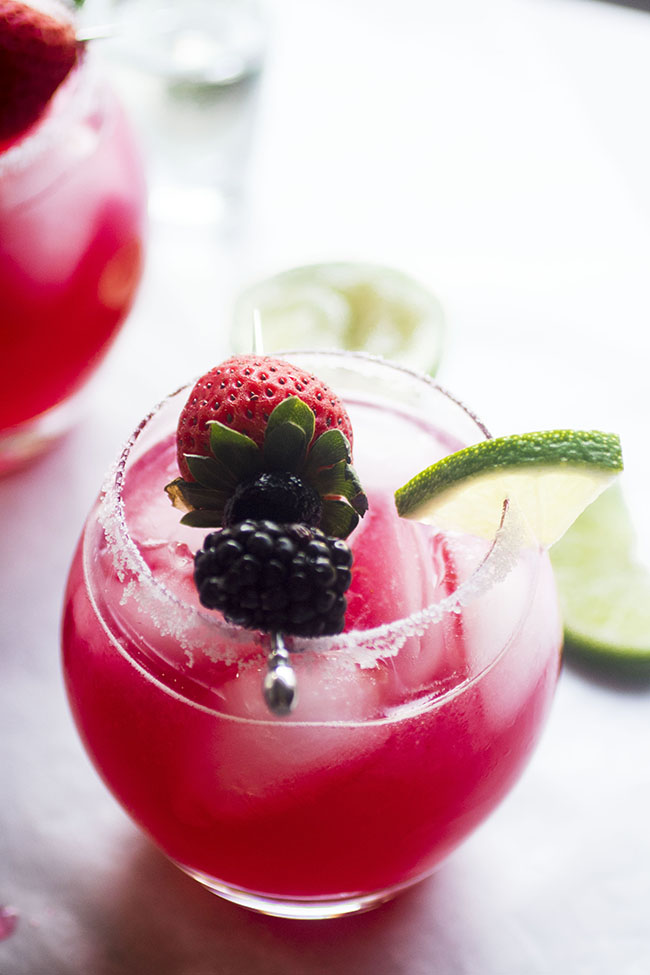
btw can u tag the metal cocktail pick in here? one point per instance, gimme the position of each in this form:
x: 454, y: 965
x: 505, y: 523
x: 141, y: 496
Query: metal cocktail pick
x: 280, y: 685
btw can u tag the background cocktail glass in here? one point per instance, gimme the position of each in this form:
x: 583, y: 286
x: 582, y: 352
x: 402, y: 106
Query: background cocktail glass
x: 72, y: 215
x: 410, y: 727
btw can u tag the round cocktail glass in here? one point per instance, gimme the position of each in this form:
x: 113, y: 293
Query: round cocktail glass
x: 72, y: 214
x: 410, y: 726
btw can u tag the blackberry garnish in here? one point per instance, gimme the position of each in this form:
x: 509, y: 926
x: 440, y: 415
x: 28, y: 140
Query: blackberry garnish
x: 276, y: 496
x: 263, y: 575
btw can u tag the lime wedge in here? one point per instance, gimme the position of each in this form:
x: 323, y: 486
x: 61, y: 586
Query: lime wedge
x: 551, y: 476
x: 604, y: 591
x: 353, y: 306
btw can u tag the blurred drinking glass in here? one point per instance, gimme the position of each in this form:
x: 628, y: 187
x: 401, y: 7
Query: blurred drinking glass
x: 189, y: 73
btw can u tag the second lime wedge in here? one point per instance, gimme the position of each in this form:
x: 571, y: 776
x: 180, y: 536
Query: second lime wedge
x: 345, y: 305
x: 604, y: 589
x: 551, y: 476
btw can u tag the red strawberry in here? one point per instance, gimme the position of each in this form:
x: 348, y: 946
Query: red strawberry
x: 242, y: 392
x: 38, y: 49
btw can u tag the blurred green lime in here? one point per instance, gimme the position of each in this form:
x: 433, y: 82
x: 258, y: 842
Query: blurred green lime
x: 604, y: 590
x: 344, y: 305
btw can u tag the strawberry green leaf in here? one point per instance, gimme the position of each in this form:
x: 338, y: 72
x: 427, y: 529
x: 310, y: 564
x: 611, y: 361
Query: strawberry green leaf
x: 330, y: 448
x: 202, y: 519
x: 190, y: 495
x: 210, y: 472
x: 355, y: 493
x: 176, y: 495
x: 285, y: 447
x: 331, y: 480
x: 340, y: 479
x: 338, y: 517
x: 238, y: 453
x: 292, y: 410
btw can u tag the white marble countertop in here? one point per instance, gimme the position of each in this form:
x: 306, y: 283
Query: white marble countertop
x: 501, y: 153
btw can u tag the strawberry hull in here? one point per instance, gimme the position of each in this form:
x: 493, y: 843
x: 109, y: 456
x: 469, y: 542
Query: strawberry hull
x: 242, y: 392
x: 410, y: 727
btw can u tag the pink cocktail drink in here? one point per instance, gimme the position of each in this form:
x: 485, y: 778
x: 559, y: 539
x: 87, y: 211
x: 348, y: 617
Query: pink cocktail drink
x: 410, y: 726
x: 72, y: 213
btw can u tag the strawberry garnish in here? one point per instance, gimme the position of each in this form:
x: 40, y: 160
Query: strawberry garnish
x: 38, y: 49
x: 260, y: 438
x: 242, y: 392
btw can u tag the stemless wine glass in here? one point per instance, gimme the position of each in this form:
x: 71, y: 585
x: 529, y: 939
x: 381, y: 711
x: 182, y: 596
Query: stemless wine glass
x: 410, y: 726
x: 72, y: 213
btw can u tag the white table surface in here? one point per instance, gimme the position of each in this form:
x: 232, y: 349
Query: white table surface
x: 500, y: 152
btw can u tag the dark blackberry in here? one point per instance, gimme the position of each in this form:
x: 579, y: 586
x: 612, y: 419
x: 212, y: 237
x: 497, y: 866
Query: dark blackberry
x: 269, y: 576
x: 278, y: 496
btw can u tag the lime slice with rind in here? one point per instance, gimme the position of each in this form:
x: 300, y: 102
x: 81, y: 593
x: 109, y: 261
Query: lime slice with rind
x: 604, y: 589
x: 345, y: 305
x: 550, y: 476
